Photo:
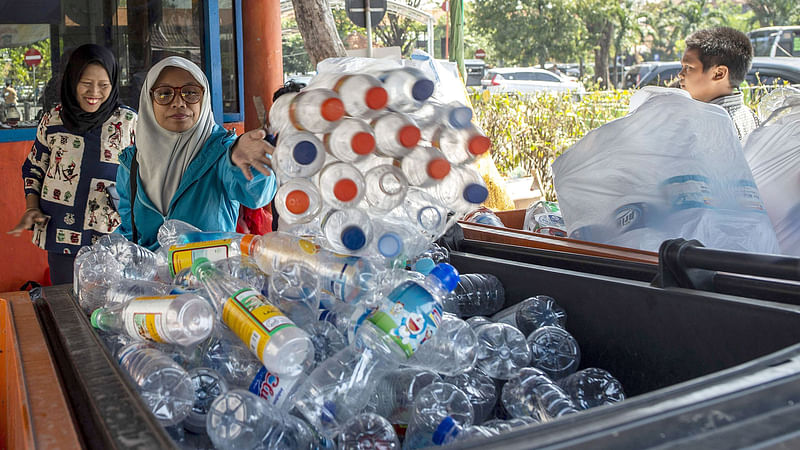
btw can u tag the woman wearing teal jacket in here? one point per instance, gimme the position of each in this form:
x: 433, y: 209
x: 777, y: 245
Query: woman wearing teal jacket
x: 189, y: 168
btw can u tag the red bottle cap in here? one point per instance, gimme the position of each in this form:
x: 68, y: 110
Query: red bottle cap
x: 332, y: 109
x: 297, y: 202
x: 479, y: 145
x: 408, y: 136
x: 345, y: 190
x: 362, y: 143
x: 438, y: 168
x: 376, y: 98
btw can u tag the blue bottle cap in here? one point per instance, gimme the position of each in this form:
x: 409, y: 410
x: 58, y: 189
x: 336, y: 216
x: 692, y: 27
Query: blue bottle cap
x: 390, y: 245
x: 305, y: 152
x: 424, y: 265
x: 422, y: 89
x: 353, y: 237
x: 475, y: 193
x: 447, y: 429
x: 447, y: 274
x: 460, y: 117
x: 196, y: 264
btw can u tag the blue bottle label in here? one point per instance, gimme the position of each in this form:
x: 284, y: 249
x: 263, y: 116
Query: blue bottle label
x: 410, y: 316
x: 270, y: 386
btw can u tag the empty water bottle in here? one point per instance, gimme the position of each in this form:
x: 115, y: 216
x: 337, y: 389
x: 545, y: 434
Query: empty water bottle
x: 451, y: 351
x: 239, y: 420
x: 462, y: 145
x: 298, y: 154
x: 502, y: 350
x: 408, y: 88
x: 385, y: 187
x: 364, y: 94
x: 298, y: 201
x: 347, y: 231
x: 554, y: 351
x: 126, y: 289
x: 208, y: 385
x: 351, y: 140
x: 477, y: 294
x: 314, y: 110
x: 327, y: 340
x: 477, y: 321
x: 368, y: 431
x: 532, y: 393
x: 294, y: 288
x: 244, y: 268
x: 432, y: 115
x: 214, y: 246
x: 138, y: 262
x: 438, y: 408
x: 462, y: 190
x: 593, y: 387
x: 345, y: 317
x: 424, y: 166
x: 437, y: 253
x: 395, y: 393
x: 532, y: 313
x: 341, y: 185
x: 484, y: 216
x: 164, y: 385
x: 95, y: 272
x: 231, y: 358
x: 271, y: 336
x: 395, y: 134
x: 176, y: 319
x: 424, y: 213
x: 173, y: 232
x: 481, y: 390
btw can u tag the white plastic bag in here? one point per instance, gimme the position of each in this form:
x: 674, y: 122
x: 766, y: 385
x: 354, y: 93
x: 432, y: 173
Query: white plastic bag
x: 773, y: 152
x: 671, y: 168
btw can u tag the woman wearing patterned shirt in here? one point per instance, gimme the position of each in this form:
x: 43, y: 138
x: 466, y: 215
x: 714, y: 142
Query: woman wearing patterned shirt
x: 74, y: 160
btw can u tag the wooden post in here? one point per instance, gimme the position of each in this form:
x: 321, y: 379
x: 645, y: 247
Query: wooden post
x: 263, y: 57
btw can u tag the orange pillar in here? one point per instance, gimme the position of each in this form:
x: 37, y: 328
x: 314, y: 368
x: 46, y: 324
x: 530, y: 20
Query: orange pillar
x: 263, y: 57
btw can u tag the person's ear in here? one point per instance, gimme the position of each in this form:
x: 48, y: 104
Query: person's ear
x: 720, y: 73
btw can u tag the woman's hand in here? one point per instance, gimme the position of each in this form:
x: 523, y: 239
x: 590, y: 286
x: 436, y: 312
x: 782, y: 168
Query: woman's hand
x: 251, y: 150
x: 29, y: 218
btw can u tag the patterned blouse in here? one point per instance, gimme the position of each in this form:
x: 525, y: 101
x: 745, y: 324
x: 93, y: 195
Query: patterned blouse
x: 70, y: 173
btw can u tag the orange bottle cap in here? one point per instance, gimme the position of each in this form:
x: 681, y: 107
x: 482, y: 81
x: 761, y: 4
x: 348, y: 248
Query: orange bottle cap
x: 409, y: 136
x: 376, y: 98
x: 438, y: 168
x: 297, y: 201
x: 345, y: 190
x: 479, y: 145
x: 332, y: 109
x: 363, y: 143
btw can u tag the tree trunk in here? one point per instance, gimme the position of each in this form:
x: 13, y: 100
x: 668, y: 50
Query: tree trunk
x: 320, y: 38
x: 601, y: 56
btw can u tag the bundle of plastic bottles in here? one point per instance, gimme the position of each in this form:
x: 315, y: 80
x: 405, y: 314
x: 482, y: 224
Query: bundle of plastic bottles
x: 283, y: 344
x: 370, y: 163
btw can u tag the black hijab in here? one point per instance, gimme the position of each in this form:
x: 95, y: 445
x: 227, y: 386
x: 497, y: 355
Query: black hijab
x: 76, y: 119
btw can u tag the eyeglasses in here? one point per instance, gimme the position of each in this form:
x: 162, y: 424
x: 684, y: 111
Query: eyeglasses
x: 190, y: 93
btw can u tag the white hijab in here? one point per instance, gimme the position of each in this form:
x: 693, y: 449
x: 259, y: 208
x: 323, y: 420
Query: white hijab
x: 164, y: 155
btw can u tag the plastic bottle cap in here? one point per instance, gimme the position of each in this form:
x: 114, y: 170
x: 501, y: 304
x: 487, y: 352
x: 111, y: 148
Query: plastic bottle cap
x: 297, y: 201
x: 353, y: 237
x: 390, y: 245
x: 196, y: 264
x: 446, y: 428
x: 408, y: 136
x: 376, y: 98
x: 422, y: 89
x: 362, y: 143
x: 332, y: 109
x: 475, y: 193
x: 96, y: 315
x: 438, y: 168
x: 424, y: 265
x: 460, y: 117
x: 304, y: 152
x: 479, y: 145
x: 447, y: 274
x: 345, y: 190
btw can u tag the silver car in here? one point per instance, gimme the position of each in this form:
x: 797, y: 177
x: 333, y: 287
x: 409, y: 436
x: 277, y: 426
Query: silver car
x: 528, y: 80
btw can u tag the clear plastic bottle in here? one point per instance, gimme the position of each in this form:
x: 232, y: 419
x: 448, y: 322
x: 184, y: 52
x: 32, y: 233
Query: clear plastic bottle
x: 502, y: 350
x: 239, y: 420
x: 393, y: 240
x: 345, y: 317
x: 532, y: 393
x: 364, y: 94
x: 351, y: 140
x: 593, y: 387
x: 244, y: 268
x: 294, y: 288
x: 481, y: 390
x: 298, y: 201
x: 175, y: 319
x: 437, y: 409
x: 532, y: 313
x: 273, y: 388
x: 484, y: 216
x: 230, y: 357
x: 451, y: 351
x: 138, y: 262
x: 291, y: 433
x: 164, y: 385
x: 347, y: 231
x: 462, y: 190
x: 95, y: 272
x: 408, y: 88
x: 125, y: 290
x: 462, y: 145
x: 214, y: 246
x: 208, y: 385
x: 477, y: 321
x: 270, y: 335
x: 368, y: 431
x: 395, y: 393
x: 554, y: 351
x: 341, y: 185
x: 298, y: 154
x: 477, y: 294
x: 314, y: 110
x: 424, y: 213
x: 396, y: 134
x: 425, y: 166
x: 385, y: 187
x: 433, y: 115
x: 344, y: 277
x: 176, y: 232
x: 327, y: 339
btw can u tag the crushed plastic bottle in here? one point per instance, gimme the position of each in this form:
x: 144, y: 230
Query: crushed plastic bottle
x: 593, y: 387
x: 502, y: 350
x: 438, y: 408
x: 554, y: 351
x: 477, y: 294
x: 368, y: 431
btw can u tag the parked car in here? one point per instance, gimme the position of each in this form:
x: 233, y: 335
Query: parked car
x: 763, y: 70
x: 776, y: 42
x: 651, y: 73
x: 528, y: 80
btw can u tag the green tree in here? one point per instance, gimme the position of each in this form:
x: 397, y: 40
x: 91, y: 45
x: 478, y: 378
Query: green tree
x: 600, y: 19
x: 402, y: 32
x: 767, y: 13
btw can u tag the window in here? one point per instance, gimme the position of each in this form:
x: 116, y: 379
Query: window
x: 139, y: 32
x: 229, y: 57
x: 762, y: 42
x: 546, y: 77
x: 788, y: 44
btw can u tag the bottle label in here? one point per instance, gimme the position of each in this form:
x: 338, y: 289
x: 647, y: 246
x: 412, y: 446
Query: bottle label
x: 144, y: 316
x: 689, y: 191
x: 182, y: 256
x: 410, y: 316
x: 271, y: 387
x: 748, y: 196
x: 249, y: 315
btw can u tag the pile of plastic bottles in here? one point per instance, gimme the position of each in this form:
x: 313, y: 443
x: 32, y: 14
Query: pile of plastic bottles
x: 372, y: 164
x: 280, y: 343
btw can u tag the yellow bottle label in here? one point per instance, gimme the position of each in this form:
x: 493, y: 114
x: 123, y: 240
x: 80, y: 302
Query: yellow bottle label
x: 248, y: 314
x: 145, y: 317
x: 182, y: 256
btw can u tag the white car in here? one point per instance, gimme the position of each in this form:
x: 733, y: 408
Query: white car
x: 528, y: 80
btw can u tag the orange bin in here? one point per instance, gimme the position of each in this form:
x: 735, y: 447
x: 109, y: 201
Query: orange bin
x: 35, y: 412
